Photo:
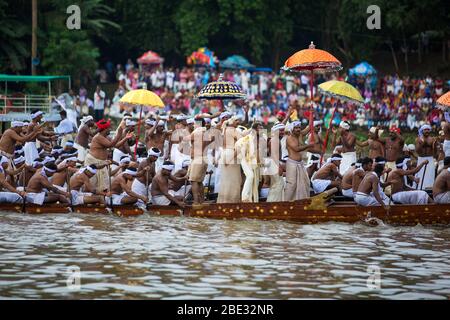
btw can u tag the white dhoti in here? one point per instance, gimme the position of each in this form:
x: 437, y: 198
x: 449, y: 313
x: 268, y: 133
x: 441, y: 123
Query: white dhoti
x: 62, y: 188
x: 442, y: 198
x: 178, y: 157
x: 428, y: 179
x: 78, y: 197
x: 347, y: 159
x: 65, y: 138
x: 369, y: 200
x: 411, y: 197
x: 116, y: 199
x: 297, y: 181
x: 347, y: 193
x: 276, y: 191
x: 101, y: 179
x: 140, y: 188
x: 36, y: 198
x: 31, y: 152
x: 264, y: 193
x: 82, y: 152
x: 251, y: 184
x: 117, y: 154
x: 230, y: 183
x: 10, y: 197
x: 158, y: 163
x: 160, y: 200
x: 184, y: 190
x: 320, y: 185
x: 447, y: 148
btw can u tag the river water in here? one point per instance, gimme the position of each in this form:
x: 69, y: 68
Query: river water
x: 151, y: 257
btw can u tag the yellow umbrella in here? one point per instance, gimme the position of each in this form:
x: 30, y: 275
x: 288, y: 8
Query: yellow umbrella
x: 142, y: 97
x: 341, y: 90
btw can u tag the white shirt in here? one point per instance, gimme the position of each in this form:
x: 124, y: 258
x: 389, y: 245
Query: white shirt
x: 99, y: 100
x: 64, y: 127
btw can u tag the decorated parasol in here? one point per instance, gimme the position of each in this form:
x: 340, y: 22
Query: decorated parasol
x: 203, y: 56
x: 312, y: 61
x: 143, y: 98
x: 150, y: 57
x: 340, y: 90
x: 444, y: 100
x: 221, y: 90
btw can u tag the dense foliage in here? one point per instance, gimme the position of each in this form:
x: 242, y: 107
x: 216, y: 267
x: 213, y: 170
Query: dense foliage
x: 265, y: 31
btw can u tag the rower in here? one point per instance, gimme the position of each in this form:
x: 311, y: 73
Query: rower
x: 12, y: 135
x: 121, y: 190
x: 125, y: 148
x: 40, y: 190
x: 160, y: 186
x: 347, y: 179
x: 400, y: 192
x: 328, y: 176
x: 12, y: 195
x: 441, y: 187
x: 394, y: 145
x: 180, y: 187
x: 425, y: 149
x: 84, y: 136
x: 156, y: 137
x: 370, y: 192
x: 359, y: 173
x: 145, y: 173
x: 44, y: 137
x: 312, y: 166
x: 347, y: 140
x: 376, y: 147
x: 65, y: 168
x: 81, y: 189
x: 98, y: 153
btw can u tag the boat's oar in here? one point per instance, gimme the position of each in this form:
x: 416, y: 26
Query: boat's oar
x: 325, y: 142
x: 208, y: 189
x: 110, y: 194
x: 25, y: 196
x: 423, y: 177
x: 147, y: 186
x: 68, y: 189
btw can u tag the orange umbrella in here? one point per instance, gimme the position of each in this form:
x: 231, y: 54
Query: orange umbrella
x: 314, y: 61
x: 444, y: 100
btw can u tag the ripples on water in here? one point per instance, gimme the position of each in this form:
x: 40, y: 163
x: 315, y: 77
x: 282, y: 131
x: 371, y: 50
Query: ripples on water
x: 187, y: 258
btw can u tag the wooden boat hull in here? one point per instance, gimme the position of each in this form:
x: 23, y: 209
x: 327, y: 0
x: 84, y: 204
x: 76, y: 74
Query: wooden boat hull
x: 90, y: 209
x: 303, y: 212
x: 127, y: 211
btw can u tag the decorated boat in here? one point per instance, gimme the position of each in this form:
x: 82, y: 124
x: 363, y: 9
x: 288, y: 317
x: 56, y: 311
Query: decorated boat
x: 318, y: 209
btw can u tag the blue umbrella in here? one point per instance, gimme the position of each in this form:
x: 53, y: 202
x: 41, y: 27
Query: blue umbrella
x: 236, y: 62
x: 362, y: 69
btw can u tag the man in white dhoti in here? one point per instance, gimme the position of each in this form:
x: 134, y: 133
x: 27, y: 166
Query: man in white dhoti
x: 399, y: 191
x: 425, y: 150
x: 121, y: 192
x: 160, y: 186
x: 328, y: 176
x: 348, y: 141
x: 84, y: 136
x: 30, y: 147
x: 297, y: 180
x: 146, y: 172
x: 441, y: 187
x: 81, y: 189
x: 370, y: 189
x: 12, y: 195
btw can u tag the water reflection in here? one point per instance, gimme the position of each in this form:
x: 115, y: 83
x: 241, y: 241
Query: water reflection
x: 170, y: 257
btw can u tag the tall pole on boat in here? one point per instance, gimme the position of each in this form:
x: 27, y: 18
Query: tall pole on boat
x: 33, y: 35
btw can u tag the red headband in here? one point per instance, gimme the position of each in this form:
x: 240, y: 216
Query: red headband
x: 103, y: 124
x: 395, y: 129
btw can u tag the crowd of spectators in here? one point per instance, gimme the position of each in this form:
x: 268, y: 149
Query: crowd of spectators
x: 406, y: 102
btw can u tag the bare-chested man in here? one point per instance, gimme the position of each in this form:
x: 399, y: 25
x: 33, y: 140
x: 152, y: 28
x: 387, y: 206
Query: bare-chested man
x: 312, y: 166
x: 317, y: 150
x: 180, y: 187
x: 441, y: 188
x: 44, y: 137
x: 297, y: 180
x: 121, y: 189
x: 347, y: 179
x: 12, y: 136
x: 369, y: 191
x: 425, y: 149
x: 156, y: 137
x: 84, y: 136
x: 200, y: 140
x: 347, y: 140
x: 376, y: 147
x: 328, y: 176
x: 36, y: 192
x: 65, y: 169
x: 81, y: 189
x: 359, y: 174
x: 98, y: 153
x: 124, y: 149
x: 160, y: 187
x: 11, y: 195
x: 393, y: 146
x: 145, y: 173
x: 399, y: 191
